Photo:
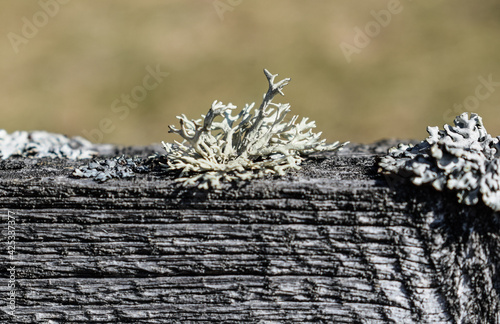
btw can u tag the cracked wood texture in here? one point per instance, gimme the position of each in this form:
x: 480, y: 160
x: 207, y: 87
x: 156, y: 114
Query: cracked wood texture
x: 332, y: 243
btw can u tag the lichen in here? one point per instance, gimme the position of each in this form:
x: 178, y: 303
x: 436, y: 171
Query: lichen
x: 39, y: 144
x: 118, y: 167
x: 463, y: 158
x: 242, y: 146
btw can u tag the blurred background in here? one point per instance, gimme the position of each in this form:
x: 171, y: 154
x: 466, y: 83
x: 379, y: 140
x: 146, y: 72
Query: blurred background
x: 120, y: 71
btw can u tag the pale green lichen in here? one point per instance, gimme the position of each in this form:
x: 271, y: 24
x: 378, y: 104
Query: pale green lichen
x: 39, y: 144
x: 242, y: 146
x: 463, y: 158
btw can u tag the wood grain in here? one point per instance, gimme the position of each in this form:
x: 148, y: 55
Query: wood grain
x: 332, y: 243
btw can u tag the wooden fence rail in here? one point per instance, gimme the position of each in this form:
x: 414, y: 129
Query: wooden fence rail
x: 332, y: 243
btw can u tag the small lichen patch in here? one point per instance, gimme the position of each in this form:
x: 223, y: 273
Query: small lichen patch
x: 39, y: 144
x: 117, y: 167
x: 242, y: 146
x: 463, y: 158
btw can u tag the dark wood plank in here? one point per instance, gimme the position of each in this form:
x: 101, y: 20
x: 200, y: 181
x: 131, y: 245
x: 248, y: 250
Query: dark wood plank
x: 333, y: 243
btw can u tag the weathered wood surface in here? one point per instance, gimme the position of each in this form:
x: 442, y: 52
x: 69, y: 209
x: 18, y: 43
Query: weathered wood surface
x: 332, y: 243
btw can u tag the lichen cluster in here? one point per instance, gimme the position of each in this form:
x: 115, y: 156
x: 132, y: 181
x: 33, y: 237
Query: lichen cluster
x: 242, y: 146
x: 39, y: 144
x: 117, y: 167
x: 463, y: 158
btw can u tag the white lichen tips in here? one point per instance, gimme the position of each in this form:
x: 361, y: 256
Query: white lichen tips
x: 463, y: 158
x: 242, y: 146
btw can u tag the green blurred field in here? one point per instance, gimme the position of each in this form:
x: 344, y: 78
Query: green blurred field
x: 428, y: 58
